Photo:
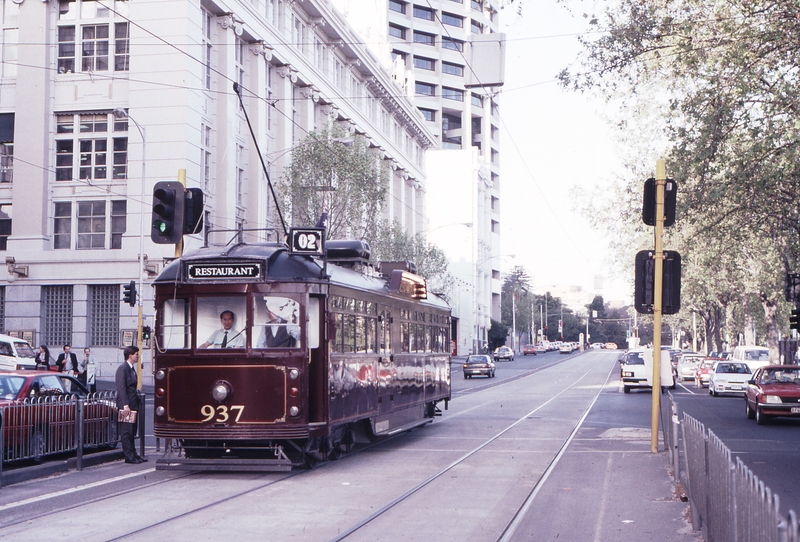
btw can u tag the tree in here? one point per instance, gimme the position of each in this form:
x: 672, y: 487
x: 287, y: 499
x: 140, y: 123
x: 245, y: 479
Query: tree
x: 348, y: 180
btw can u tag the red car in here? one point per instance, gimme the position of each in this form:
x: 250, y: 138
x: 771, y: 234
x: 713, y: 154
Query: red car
x: 529, y: 349
x: 773, y: 391
x: 40, y: 410
x: 701, y: 376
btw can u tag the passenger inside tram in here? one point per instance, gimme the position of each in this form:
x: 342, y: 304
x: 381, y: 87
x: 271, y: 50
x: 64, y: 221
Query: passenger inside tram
x: 281, y: 328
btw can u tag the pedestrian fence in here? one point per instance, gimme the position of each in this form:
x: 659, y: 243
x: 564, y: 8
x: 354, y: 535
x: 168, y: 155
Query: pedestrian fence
x: 41, y: 426
x: 728, y: 502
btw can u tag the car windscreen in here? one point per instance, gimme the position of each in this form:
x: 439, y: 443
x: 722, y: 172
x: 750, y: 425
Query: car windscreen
x: 634, y: 358
x: 757, y: 355
x: 10, y: 386
x: 781, y: 376
x: 24, y: 350
x: 478, y: 359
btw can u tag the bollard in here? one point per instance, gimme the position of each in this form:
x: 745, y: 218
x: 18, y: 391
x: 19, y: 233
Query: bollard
x: 675, y: 449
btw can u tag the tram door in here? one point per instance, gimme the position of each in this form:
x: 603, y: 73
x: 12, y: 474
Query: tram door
x: 317, y: 364
x: 387, y: 370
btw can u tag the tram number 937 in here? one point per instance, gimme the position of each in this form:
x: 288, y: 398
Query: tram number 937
x: 223, y: 413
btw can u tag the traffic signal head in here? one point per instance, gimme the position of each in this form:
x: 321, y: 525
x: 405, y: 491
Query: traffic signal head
x: 649, y: 202
x: 129, y: 293
x: 168, y: 220
x: 146, y: 331
x: 193, y: 211
x: 794, y: 319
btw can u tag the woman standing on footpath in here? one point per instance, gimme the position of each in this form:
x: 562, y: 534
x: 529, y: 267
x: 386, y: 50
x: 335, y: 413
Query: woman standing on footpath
x: 89, y: 368
x: 43, y: 358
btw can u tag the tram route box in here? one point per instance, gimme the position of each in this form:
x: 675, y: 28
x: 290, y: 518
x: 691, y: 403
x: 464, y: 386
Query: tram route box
x: 307, y: 241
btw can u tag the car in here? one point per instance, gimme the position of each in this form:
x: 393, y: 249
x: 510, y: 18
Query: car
x: 728, y: 377
x: 636, y: 370
x: 687, y: 366
x: 541, y: 348
x: 753, y: 356
x: 566, y: 348
x: 529, y: 349
x: 16, y: 354
x: 773, y: 391
x: 40, y: 410
x: 598, y: 346
x: 701, y: 376
x: 504, y: 352
x: 479, y: 365
x: 611, y: 346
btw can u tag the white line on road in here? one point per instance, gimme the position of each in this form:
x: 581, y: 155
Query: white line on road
x: 73, y: 490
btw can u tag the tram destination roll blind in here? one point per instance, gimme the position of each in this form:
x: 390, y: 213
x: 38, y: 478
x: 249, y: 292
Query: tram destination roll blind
x: 208, y: 271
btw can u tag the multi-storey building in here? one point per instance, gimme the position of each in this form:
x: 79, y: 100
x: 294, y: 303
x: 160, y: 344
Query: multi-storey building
x: 444, y: 47
x: 99, y: 100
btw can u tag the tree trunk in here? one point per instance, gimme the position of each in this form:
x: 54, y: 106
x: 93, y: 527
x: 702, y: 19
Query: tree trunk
x: 771, y: 320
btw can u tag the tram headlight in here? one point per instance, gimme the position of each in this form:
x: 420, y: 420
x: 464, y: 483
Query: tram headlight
x: 161, y: 375
x: 294, y: 411
x: 160, y: 411
x: 293, y: 374
x: 221, y: 391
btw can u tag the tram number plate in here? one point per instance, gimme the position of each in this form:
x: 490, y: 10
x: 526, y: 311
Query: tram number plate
x: 795, y: 410
x: 221, y: 413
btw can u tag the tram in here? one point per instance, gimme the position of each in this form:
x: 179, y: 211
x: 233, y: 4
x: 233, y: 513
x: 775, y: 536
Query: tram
x: 270, y: 356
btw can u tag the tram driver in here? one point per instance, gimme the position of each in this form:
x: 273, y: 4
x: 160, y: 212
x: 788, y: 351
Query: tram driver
x: 279, y: 332
x: 226, y: 336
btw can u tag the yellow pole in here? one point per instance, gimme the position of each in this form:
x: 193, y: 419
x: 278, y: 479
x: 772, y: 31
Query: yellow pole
x: 661, y: 182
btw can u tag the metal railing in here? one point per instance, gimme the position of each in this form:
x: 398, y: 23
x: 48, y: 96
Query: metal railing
x: 38, y: 427
x: 728, y: 502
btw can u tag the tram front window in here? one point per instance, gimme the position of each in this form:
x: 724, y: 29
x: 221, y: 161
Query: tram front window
x: 176, y: 318
x: 276, y: 322
x: 220, y: 321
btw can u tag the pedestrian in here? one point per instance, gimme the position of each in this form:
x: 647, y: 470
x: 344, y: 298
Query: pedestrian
x: 89, y: 364
x: 128, y: 400
x: 67, y: 361
x: 43, y: 358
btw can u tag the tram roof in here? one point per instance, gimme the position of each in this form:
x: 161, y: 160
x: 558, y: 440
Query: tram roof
x: 283, y: 266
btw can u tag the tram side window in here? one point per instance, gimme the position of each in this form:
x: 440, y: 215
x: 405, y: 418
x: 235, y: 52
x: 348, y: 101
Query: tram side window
x: 276, y: 322
x: 404, y: 337
x: 384, y: 333
x: 221, y: 321
x: 176, y: 318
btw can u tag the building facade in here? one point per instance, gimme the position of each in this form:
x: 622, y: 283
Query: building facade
x: 449, y: 55
x: 76, y: 179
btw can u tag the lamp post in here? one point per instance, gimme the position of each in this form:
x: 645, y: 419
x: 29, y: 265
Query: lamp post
x: 121, y: 113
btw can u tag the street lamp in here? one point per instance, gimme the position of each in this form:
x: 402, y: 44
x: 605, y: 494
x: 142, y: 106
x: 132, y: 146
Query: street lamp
x: 121, y: 113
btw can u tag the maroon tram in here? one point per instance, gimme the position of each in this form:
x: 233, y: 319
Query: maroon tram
x: 268, y: 359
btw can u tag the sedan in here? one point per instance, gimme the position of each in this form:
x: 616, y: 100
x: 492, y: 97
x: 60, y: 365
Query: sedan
x: 479, y: 365
x: 529, y: 349
x: 40, y: 411
x: 504, y: 352
x: 687, y: 367
x: 566, y: 348
x: 728, y: 377
x: 773, y: 391
x: 611, y: 346
x: 541, y: 348
x: 703, y: 370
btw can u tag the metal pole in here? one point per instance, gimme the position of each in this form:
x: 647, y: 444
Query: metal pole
x: 513, y: 320
x: 661, y: 182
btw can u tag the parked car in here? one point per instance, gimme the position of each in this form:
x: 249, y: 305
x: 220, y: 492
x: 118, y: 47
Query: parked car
x: 701, y: 376
x: 529, y: 349
x: 636, y: 370
x: 504, y: 352
x: 479, y: 365
x: 40, y: 413
x: 753, y: 356
x: 566, y: 348
x: 16, y: 354
x: 728, y: 377
x: 541, y: 348
x: 687, y: 366
x: 598, y: 346
x: 611, y: 346
x: 773, y: 391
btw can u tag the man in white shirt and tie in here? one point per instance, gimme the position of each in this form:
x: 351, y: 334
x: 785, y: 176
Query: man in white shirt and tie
x: 227, y: 336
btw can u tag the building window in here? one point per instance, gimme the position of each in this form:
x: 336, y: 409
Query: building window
x: 239, y: 174
x: 92, y: 41
x: 57, y: 315
x: 428, y: 114
x: 452, y: 20
x: 10, y: 40
x: 397, y: 31
x: 424, y: 38
x: 207, y: 26
x: 62, y: 225
x: 453, y: 94
x: 239, y: 60
x: 399, y: 7
x: 91, y: 224
x: 205, y: 154
x: 424, y: 89
x: 424, y: 63
x: 103, y: 314
x: 477, y: 28
x: 119, y: 220
x: 453, y: 69
x: 423, y: 13
x: 477, y: 100
x: 5, y: 224
x: 82, y: 145
x: 6, y: 162
x: 477, y: 5
x: 452, y: 44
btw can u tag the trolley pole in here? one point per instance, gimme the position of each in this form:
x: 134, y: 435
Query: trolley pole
x: 661, y: 182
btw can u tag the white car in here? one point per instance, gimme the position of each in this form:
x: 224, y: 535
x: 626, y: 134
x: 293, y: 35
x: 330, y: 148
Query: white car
x: 728, y: 377
x: 753, y: 356
x: 565, y: 348
x: 687, y: 366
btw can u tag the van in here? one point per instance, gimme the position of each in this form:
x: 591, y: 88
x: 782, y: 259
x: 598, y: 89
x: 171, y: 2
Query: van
x: 753, y: 356
x: 636, y: 369
x: 16, y: 354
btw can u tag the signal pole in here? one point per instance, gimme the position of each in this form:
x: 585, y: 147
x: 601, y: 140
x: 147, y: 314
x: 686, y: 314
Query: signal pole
x: 661, y: 183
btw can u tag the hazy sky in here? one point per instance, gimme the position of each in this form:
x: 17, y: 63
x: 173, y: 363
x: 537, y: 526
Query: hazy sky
x: 553, y: 142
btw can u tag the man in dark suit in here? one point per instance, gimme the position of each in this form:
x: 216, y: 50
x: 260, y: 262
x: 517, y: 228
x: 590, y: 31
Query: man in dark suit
x: 128, y: 400
x: 67, y: 361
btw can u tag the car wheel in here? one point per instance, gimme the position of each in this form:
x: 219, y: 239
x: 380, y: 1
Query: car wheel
x: 626, y: 389
x: 761, y: 418
x: 465, y: 377
x: 750, y: 414
x: 37, y: 445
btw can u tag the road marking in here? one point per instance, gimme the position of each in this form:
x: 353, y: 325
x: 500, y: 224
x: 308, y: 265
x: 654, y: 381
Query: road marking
x: 73, y: 490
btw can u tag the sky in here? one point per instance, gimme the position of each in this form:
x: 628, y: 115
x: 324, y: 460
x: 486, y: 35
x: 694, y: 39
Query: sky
x: 555, y: 145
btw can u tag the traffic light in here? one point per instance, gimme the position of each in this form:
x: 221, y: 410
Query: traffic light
x: 129, y: 293
x: 168, y: 220
x: 644, y: 286
x: 146, y: 331
x: 794, y: 319
x: 193, y: 211
x: 649, y: 202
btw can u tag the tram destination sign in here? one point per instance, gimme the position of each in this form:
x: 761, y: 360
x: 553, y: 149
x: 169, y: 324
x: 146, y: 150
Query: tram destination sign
x: 307, y: 241
x: 221, y: 271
